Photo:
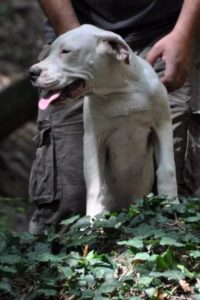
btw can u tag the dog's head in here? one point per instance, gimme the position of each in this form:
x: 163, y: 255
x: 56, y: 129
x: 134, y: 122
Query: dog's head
x: 79, y: 62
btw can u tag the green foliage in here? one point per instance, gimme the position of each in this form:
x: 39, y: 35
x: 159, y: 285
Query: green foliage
x: 150, y: 251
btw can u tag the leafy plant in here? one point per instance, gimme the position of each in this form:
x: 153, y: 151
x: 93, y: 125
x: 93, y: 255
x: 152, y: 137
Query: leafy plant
x: 150, y: 251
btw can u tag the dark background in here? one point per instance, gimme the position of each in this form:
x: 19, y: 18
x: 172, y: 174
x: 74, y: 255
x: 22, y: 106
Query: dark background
x: 21, y: 38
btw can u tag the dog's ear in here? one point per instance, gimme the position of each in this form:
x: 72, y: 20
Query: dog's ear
x: 114, y: 45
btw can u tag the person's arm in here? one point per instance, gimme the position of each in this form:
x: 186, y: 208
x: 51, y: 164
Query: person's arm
x: 60, y: 14
x: 176, y: 48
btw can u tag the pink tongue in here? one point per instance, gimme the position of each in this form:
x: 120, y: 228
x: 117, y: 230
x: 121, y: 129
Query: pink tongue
x: 44, y: 102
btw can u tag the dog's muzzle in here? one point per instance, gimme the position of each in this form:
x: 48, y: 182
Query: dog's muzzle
x: 34, y: 73
x: 74, y: 90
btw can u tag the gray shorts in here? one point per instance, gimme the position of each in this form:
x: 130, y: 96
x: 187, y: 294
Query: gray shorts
x: 56, y: 182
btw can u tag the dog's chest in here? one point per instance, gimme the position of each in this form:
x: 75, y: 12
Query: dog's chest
x: 118, y: 105
x: 113, y: 114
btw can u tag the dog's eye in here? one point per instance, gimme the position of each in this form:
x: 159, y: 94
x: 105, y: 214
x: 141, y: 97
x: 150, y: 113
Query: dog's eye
x: 64, y: 51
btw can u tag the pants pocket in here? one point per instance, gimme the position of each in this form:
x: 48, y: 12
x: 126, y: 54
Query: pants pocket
x: 44, y: 186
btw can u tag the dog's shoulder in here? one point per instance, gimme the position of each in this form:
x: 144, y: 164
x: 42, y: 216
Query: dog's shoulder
x: 149, y: 79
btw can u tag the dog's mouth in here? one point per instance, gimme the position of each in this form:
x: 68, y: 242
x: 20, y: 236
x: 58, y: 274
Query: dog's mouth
x: 73, y: 90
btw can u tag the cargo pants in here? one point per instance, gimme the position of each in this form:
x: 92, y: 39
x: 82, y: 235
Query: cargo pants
x: 56, y: 181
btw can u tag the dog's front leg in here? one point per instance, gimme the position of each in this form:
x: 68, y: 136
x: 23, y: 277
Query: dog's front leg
x: 93, y: 172
x: 94, y: 159
x: 164, y: 152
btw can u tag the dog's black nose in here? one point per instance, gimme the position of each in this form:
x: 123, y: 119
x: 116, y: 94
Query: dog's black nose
x: 34, y: 73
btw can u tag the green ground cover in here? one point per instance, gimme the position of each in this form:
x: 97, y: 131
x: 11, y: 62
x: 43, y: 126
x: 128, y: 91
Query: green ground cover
x: 150, y: 251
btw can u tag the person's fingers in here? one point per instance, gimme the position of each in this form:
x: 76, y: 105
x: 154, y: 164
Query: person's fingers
x: 170, y: 77
x: 177, y: 58
x: 153, y: 55
x: 174, y: 76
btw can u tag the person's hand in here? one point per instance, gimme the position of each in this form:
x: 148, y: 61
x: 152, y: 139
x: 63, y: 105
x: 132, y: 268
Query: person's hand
x: 176, y: 52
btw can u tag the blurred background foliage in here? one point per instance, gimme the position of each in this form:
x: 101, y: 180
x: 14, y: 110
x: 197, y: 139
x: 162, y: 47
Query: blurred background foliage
x: 21, y: 38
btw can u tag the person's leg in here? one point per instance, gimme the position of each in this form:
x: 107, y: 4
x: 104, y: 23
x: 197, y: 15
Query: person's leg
x: 192, y: 157
x: 56, y: 183
x: 181, y: 115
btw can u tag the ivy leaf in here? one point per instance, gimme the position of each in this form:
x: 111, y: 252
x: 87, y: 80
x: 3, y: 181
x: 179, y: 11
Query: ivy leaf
x: 78, y: 242
x: 47, y: 292
x: 97, y: 297
x: 170, y: 275
x: 82, y: 223
x: 195, y: 254
x: 70, y: 220
x: 90, y: 280
x: 41, y: 248
x: 73, y: 259
x: 144, y: 231
x: 145, y: 280
x: 133, y: 211
x: 87, y: 294
x: 26, y: 237
x: 150, y: 292
x: 167, y: 241
x: 46, y: 257
x: 186, y: 272
x: 6, y: 288
x: 68, y: 273
x: 136, y: 243
x: 10, y: 259
x: 165, y: 260
x: 193, y: 218
x: 107, y: 288
x: 2, y: 246
x: 8, y: 269
x: 144, y: 256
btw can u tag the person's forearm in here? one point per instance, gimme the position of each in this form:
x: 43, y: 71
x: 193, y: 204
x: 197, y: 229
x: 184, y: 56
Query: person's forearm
x: 60, y: 14
x: 188, y: 24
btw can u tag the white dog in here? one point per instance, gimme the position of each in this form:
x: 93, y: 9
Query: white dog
x: 126, y: 115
